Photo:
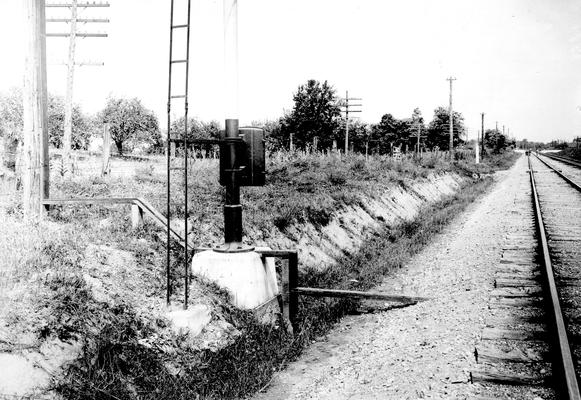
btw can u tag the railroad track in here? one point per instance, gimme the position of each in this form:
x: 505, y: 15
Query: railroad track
x: 532, y: 337
x: 565, y: 160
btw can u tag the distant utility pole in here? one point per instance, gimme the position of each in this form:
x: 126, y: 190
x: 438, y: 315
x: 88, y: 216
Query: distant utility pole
x: 451, y: 79
x: 496, y: 126
x: 482, y: 133
x: 502, y: 130
x: 345, y: 104
x: 418, y: 139
x: 35, y: 176
x: 72, y: 35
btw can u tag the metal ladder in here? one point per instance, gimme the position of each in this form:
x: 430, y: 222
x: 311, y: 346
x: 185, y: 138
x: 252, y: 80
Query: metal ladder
x: 170, y: 99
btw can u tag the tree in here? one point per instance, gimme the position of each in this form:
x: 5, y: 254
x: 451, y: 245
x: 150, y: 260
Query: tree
x: 359, y: 134
x: 496, y: 141
x: 390, y: 132
x: 439, y: 129
x: 196, y: 130
x: 83, y: 127
x: 315, y: 114
x: 273, y: 136
x: 129, y: 121
x: 11, y: 124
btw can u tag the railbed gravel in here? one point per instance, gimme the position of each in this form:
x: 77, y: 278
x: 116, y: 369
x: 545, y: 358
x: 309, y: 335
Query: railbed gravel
x: 425, y: 350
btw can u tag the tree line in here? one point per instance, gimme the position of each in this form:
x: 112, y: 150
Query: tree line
x: 314, y: 123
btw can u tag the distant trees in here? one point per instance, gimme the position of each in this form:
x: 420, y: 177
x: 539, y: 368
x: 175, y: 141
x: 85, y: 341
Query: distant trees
x: 11, y: 125
x: 130, y: 122
x: 496, y: 141
x: 83, y: 126
x: 439, y: 129
x: 390, y: 132
x: 315, y: 114
x: 196, y: 129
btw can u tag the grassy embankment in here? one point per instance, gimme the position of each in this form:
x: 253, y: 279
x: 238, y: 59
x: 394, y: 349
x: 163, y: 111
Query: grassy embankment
x: 571, y: 152
x: 84, y: 277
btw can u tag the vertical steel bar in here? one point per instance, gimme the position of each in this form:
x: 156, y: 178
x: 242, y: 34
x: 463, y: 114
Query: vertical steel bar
x: 186, y: 269
x: 284, y: 275
x: 167, y: 271
x: 293, y: 280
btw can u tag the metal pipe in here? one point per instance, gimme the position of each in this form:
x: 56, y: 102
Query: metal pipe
x: 167, y: 270
x: 232, y: 207
x: 231, y: 58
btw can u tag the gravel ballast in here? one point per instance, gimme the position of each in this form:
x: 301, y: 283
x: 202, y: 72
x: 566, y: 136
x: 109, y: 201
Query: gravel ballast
x: 425, y: 350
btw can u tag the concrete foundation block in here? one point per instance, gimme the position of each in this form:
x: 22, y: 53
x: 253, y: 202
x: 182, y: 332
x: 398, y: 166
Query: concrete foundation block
x: 250, y: 281
x: 193, y: 320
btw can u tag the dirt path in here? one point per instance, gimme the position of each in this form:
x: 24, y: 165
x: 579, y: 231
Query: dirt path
x: 423, y: 351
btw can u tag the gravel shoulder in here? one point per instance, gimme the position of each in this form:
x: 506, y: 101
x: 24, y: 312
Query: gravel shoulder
x: 426, y: 350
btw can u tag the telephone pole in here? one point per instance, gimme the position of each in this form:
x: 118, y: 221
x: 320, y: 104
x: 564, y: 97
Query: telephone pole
x: 74, y: 5
x: 482, y: 133
x: 35, y: 177
x: 451, y: 79
x: 346, y: 105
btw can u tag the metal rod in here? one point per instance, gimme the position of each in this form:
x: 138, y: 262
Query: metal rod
x: 83, y: 20
x: 567, y: 366
x: 167, y: 272
x: 317, y: 292
x: 84, y: 5
x: 186, y: 269
x: 80, y: 34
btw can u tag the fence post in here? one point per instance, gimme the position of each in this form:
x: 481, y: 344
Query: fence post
x: 136, y: 216
x: 106, y: 168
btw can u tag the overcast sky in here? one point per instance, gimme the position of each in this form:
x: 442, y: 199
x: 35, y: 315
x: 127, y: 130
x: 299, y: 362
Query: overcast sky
x: 519, y: 61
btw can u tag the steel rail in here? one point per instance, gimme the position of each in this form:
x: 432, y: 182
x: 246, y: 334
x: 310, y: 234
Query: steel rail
x: 562, y: 175
x: 567, y: 366
x: 564, y: 159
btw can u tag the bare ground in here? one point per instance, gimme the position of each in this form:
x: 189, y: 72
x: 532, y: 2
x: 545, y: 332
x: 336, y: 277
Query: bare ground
x: 426, y: 350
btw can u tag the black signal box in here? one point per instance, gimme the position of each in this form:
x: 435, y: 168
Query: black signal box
x: 242, y: 159
x: 254, y: 167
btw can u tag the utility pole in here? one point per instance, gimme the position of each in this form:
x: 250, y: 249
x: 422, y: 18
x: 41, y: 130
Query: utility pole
x: 35, y: 177
x: 482, y: 133
x: 477, y: 152
x: 345, y: 104
x: 418, y: 139
x: 451, y: 79
x: 72, y: 35
x: 496, y: 126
